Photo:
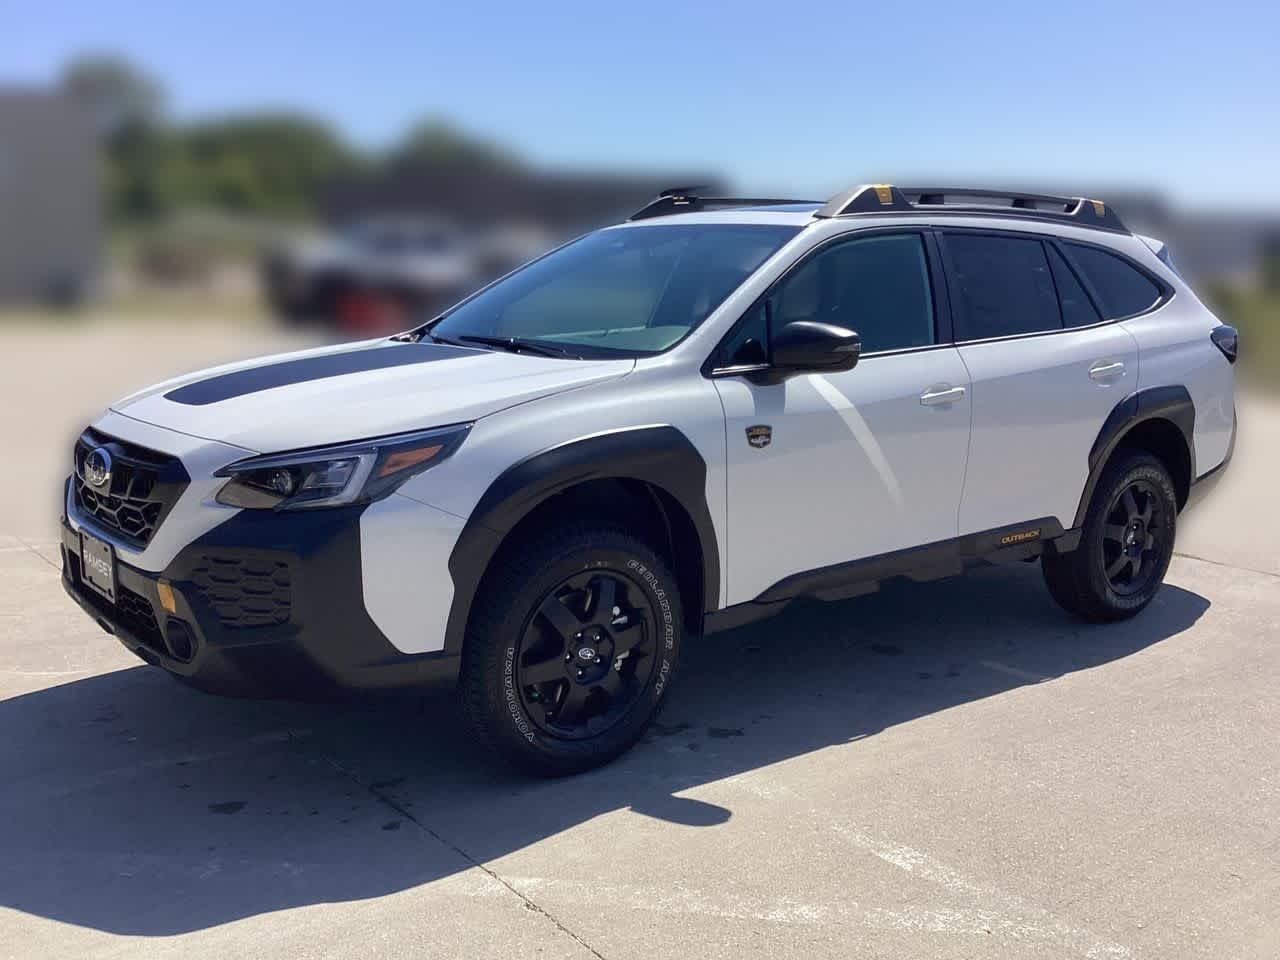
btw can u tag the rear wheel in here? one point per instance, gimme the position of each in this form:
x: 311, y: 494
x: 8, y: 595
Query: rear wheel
x: 571, y: 646
x: 1125, y: 546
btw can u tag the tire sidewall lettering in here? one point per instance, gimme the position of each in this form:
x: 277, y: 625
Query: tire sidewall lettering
x: 667, y: 619
x: 523, y: 727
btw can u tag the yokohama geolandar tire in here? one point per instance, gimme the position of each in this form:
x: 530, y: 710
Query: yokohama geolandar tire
x: 570, y: 649
x: 1125, y: 546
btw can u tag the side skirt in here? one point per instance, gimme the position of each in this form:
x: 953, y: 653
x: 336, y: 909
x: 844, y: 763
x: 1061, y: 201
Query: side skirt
x: 933, y: 561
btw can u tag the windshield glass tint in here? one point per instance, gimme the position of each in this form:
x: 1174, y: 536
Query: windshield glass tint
x: 631, y: 291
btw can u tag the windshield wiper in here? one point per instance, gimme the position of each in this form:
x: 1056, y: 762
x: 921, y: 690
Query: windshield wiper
x: 518, y: 344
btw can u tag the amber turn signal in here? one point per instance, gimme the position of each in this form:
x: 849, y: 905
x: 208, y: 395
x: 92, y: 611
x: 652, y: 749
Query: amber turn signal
x: 403, y: 459
x: 166, y: 596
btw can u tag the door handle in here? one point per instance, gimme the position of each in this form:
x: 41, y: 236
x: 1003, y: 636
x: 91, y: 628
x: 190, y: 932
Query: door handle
x: 1106, y: 371
x: 941, y: 393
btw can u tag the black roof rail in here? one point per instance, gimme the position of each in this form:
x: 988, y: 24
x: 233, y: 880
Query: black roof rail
x: 865, y: 198
x: 686, y: 200
x: 884, y: 198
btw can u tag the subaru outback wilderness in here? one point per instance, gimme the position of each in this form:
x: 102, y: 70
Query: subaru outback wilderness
x: 664, y: 428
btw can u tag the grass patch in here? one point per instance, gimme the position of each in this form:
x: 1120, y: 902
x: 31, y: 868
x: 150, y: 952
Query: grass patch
x: 1255, y: 312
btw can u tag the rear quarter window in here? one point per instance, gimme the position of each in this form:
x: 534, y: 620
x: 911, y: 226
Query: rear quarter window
x: 1121, y: 288
x: 1077, y: 308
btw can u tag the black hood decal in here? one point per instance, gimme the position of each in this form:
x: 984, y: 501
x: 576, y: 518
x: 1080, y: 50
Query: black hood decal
x: 255, y: 379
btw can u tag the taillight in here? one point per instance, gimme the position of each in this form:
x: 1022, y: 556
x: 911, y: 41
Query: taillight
x: 1225, y: 339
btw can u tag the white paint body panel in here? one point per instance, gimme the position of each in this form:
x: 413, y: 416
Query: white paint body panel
x: 1036, y: 415
x: 857, y: 466
x: 404, y: 561
x: 368, y: 404
x: 1176, y: 351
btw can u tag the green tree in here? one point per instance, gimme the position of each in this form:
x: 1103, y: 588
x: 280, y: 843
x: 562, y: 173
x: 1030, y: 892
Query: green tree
x: 434, y: 145
x: 126, y: 108
x: 119, y: 97
x: 262, y: 164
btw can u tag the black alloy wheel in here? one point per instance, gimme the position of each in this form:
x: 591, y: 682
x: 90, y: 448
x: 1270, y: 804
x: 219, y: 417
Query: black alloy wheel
x: 1126, y: 542
x: 571, y: 647
x: 1131, y: 538
x: 586, y: 654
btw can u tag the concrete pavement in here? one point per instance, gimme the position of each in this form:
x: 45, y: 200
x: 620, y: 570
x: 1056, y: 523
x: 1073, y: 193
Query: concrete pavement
x: 953, y: 769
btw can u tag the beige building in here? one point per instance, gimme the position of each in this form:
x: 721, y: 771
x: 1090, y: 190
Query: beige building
x: 50, y: 213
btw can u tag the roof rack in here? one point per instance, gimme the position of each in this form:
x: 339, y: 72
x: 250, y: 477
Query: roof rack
x: 885, y: 198
x: 686, y: 200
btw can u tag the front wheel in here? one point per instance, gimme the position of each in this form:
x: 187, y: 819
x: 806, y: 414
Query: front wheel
x: 570, y: 649
x: 1125, y: 545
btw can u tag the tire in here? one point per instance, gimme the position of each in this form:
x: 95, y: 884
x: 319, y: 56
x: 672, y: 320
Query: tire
x: 1126, y: 543
x: 553, y: 681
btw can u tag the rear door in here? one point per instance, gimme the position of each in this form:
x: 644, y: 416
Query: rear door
x: 828, y: 468
x: 1046, y: 370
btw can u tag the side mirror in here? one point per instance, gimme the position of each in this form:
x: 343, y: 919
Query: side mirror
x: 806, y: 346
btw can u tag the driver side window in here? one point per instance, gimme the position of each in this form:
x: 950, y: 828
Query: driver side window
x: 877, y: 285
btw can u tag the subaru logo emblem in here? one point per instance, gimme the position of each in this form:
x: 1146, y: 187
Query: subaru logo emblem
x: 586, y: 654
x: 97, y: 468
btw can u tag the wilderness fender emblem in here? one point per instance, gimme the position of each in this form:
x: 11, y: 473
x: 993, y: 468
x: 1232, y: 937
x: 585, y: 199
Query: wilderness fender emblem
x: 1022, y: 536
x: 760, y: 435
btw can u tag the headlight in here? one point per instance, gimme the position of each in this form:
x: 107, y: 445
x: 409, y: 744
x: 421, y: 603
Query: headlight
x: 335, y: 476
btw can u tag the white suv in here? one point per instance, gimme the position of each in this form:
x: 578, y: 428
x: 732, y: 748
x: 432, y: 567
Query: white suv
x: 664, y: 428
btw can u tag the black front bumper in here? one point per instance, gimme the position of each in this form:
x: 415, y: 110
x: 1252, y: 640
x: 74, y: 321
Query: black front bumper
x: 265, y: 605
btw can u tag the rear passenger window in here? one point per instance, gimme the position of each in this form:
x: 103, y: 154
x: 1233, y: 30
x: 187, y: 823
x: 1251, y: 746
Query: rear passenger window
x: 1003, y: 286
x: 1077, y: 309
x: 1123, y: 289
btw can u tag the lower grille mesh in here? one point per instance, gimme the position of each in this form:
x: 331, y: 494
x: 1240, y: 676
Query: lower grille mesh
x: 245, y: 592
x: 137, y: 615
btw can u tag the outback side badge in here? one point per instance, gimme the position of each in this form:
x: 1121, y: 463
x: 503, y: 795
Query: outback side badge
x: 1022, y: 536
x: 759, y: 435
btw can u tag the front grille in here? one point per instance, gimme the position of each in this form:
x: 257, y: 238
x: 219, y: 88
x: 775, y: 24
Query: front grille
x: 245, y: 592
x: 144, y: 486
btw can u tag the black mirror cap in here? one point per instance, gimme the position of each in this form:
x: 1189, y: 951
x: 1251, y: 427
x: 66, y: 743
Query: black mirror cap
x: 806, y: 345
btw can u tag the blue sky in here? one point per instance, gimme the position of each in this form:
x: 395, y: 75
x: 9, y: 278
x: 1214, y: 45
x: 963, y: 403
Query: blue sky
x: 779, y: 96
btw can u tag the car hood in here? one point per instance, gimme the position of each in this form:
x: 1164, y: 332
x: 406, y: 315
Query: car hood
x: 354, y: 391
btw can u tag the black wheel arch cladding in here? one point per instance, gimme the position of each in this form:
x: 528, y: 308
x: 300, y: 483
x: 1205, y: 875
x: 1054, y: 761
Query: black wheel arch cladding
x: 1168, y: 403
x: 660, y: 456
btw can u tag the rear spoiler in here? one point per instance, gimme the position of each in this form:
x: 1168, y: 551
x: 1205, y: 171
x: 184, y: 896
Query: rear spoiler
x: 1161, y: 250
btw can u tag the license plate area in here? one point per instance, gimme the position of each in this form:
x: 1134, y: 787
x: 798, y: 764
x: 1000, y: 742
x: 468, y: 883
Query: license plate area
x: 98, y: 566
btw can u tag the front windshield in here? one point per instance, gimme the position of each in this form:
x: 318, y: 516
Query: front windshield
x: 632, y: 291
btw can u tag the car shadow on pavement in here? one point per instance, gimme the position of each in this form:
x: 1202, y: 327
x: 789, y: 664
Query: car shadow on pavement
x: 133, y: 805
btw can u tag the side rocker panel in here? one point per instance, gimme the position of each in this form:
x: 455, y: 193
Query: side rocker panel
x: 931, y: 561
x: 1171, y: 403
x: 658, y: 455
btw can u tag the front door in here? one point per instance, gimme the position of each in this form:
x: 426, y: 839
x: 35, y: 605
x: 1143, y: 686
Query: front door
x: 828, y: 468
